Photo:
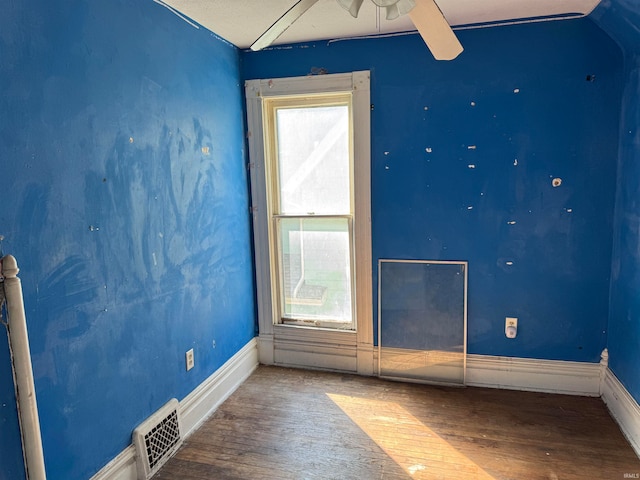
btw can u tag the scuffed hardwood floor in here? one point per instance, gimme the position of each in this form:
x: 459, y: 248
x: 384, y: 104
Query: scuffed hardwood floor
x: 296, y: 424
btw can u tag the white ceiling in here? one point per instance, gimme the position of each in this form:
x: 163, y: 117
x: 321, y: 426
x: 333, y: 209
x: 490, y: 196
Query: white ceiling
x: 241, y: 22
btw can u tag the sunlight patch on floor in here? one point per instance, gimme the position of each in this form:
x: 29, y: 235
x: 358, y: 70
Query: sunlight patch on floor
x: 415, y: 447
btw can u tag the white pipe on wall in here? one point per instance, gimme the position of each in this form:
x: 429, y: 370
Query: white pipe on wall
x: 23, y: 370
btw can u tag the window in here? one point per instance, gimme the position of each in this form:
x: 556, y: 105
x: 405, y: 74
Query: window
x: 309, y: 162
x: 309, y: 145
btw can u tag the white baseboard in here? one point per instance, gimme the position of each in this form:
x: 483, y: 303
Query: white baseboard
x: 552, y: 376
x: 529, y: 374
x: 123, y: 467
x: 195, y: 408
x: 623, y: 407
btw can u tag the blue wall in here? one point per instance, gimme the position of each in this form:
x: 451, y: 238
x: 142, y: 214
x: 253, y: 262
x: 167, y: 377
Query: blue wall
x: 621, y: 19
x: 125, y: 202
x: 457, y: 201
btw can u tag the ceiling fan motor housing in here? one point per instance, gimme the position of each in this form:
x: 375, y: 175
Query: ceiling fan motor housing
x: 394, y: 8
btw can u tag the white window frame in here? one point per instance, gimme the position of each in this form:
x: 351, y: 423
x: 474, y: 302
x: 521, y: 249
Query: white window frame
x: 271, y: 105
x: 312, y: 346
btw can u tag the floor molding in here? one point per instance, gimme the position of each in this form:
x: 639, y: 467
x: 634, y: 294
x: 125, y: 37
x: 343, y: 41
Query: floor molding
x: 122, y: 467
x: 552, y: 376
x: 195, y: 408
x: 623, y: 408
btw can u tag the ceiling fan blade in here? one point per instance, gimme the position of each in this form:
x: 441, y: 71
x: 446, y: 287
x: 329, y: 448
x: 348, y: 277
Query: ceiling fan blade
x: 284, y: 22
x: 435, y: 31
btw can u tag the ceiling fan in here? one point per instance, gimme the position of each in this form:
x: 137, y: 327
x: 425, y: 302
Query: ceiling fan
x: 425, y: 15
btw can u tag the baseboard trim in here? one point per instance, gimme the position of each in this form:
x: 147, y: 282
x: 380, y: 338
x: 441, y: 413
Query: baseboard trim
x: 122, y: 467
x: 195, y: 408
x: 552, y: 376
x: 623, y: 408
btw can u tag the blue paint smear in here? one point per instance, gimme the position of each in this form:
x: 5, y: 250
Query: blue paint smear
x: 446, y: 185
x: 125, y: 201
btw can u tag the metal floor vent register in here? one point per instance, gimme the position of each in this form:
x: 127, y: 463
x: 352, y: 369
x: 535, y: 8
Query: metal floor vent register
x: 157, y: 439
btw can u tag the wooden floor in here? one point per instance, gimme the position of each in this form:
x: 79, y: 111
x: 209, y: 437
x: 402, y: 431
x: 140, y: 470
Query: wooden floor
x: 296, y: 424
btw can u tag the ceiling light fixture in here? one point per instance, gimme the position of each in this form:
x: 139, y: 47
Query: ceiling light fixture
x: 394, y: 8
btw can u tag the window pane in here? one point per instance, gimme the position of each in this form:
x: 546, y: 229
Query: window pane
x: 313, y: 160
x: 315, y: 275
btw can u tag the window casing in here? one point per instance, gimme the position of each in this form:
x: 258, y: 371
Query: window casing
x: 309, y: 169
x: 291, y: 217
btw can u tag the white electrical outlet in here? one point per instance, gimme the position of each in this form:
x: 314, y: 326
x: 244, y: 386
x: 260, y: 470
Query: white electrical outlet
x: 189, y: 359
x: 511, y: 327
